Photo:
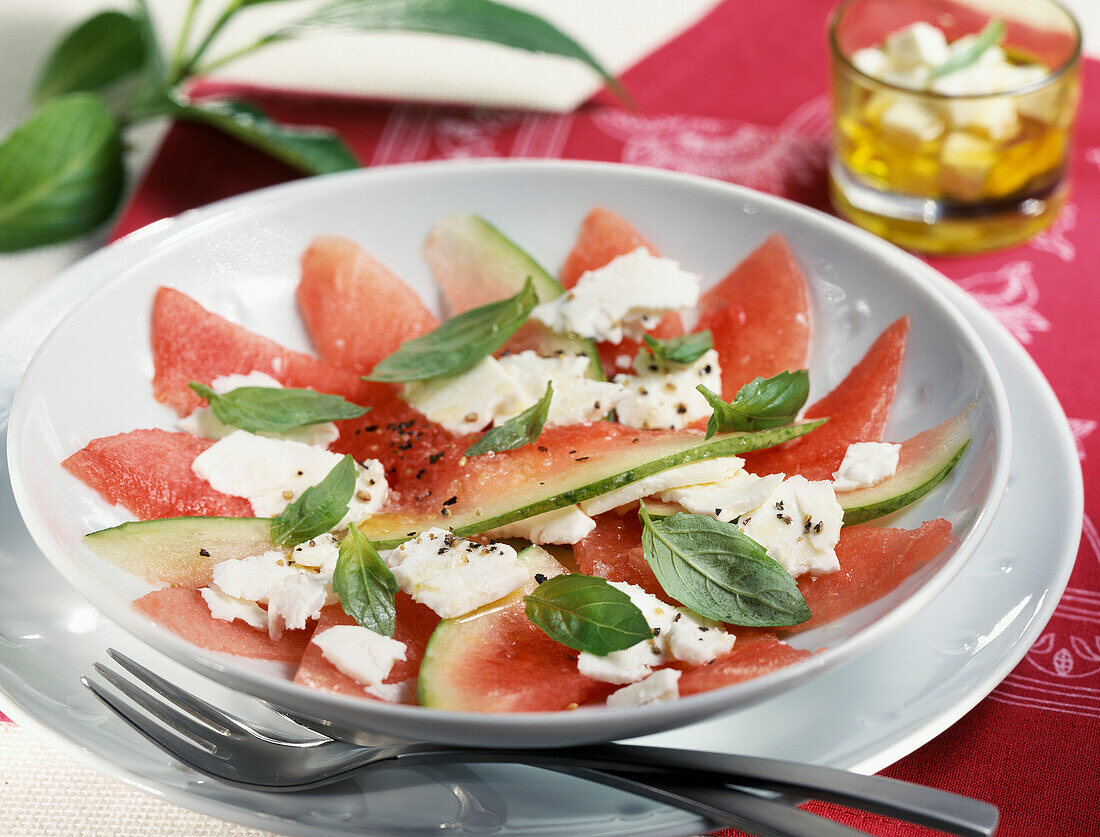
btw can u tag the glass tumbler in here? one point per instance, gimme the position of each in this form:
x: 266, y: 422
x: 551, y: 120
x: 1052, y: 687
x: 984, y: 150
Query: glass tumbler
x: 949, y: 165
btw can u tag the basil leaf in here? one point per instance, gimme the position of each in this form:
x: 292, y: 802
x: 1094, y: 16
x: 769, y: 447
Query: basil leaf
x: 518, y: 431
x: 365, y: 585
x: 481, y: 20
x: 308, y: 149
x: 273, y: 410
x: 587, y: 614
x: 61, y: 172
x: 459, y: 343
x: 993, y: 33
x: 320, y: 507
x: 101, y: 50
x: 714, y: 569
x: 686, y: 349
x: 760, y: 404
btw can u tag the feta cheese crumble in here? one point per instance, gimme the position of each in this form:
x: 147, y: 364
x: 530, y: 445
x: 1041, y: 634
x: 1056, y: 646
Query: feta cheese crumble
x: 625, y: 297
x: 360, y: 653
x: 294, y: 601
x: 727, y: 499
x: 799, y: 526
x: 272, y: 473
x: 664, y: 395
x: 203, y: 422
x: 453, y: 575
x: 562, y: 526
x: 660, y: 687
x: 227, y: 608
x: 483, y: 395
x: 577, y: 398
x: 703, y: 471
x: 696, y: 640
x: 253, y: 578
x: 866, y: 464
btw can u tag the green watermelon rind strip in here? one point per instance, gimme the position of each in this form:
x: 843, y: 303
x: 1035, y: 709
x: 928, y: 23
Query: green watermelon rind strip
x: 390, y: 530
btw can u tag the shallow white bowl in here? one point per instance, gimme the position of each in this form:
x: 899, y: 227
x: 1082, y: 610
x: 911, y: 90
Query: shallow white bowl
x: 239, y: 257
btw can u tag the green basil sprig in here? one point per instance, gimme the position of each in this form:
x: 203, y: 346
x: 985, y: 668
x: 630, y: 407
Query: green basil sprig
x: 714, y: 569
x: 100, y: 51
x: 993, y: 33
x: 760, y: 404
x: 274, y: 410
x: 459, y: 343
x: 686, y: 349
x: 365, y: 585
x: 320, y: 507
x: 518, y: 431
x: 587, y: 614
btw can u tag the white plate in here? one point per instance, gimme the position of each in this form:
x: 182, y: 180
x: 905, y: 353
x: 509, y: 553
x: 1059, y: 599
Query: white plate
x: 863, y: 715
x: 240, y: 258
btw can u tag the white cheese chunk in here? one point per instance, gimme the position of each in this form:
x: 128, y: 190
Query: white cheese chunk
x: 360, y: 653
x: 577, y: 398
x: 664, y: 395
x: 871, y: 61
x: 562, y: 526
x: 799, y: 526
x: 965, y: 163
x: 622, y: 298
x: 253, y: 578
x: 911, y: 121
x: 696, y: 640
x: 203, y: 422
x: 294, y: 601
x: 319, y: 553
x: 693, y: 473
x: 866, y: 464
x: 918, y: 44
x: 633, y: 663
x: 994, y: 116
x: 453, y: 575
x: 483, y: 395
x: 272, y: 473
x: 228, y: 608
x: 726, y: 499
x: 660, y: 687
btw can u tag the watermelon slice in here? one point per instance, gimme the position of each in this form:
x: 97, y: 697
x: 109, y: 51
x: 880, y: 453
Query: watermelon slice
x: 759, y: 316
x: 148, y: 472
x: 495, y: 660
x: 613, y: 550
x: 415, y: 623
x: 873, y: 561
x: 357, y: 311
x: 857, y: 410
x: 755, y: 652
x: 193, y: 344
x: 605, y: 235
x: 184, y: 612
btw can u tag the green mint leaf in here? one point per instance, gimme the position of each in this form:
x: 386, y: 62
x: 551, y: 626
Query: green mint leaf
x: 103, y: 49
x: 308, y: 149
x: 516, y: 432
x: 714, y: 569
x: 320, y: 507
x: 274, y: 410
x: 587, y: 614
x: 993, y: 33
x: 760, y: 404
x: 365, y: 585
x: 61, y: 172
x: 481, y: 20
x: 459, y: 343
x: 686, y: 349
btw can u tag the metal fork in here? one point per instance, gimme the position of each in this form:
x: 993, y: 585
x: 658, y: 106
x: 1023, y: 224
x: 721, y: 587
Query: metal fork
x: 221, y: 745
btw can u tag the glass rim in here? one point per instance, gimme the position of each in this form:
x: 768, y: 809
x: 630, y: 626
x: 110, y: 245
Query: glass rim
x: 1066, y: 66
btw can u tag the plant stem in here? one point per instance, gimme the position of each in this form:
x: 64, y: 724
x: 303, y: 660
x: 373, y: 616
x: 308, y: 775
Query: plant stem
x: 210, y: 66
x: 188, y: 66
x: 184, y: 36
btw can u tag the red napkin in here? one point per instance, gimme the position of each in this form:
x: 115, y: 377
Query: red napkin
x: 743, y: 97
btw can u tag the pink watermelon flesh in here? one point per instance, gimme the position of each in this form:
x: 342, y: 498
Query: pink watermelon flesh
x: 605, y: 235
x: 755, y: 652
x: 873, y: 561
x: 356, y: 310
x: 759, y: 316
x: 148, y: 472
x: 184, y: 612
x: 857, y: 410
x: 415, y: 623
x: 613, y: 550
x: 193, y: 344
